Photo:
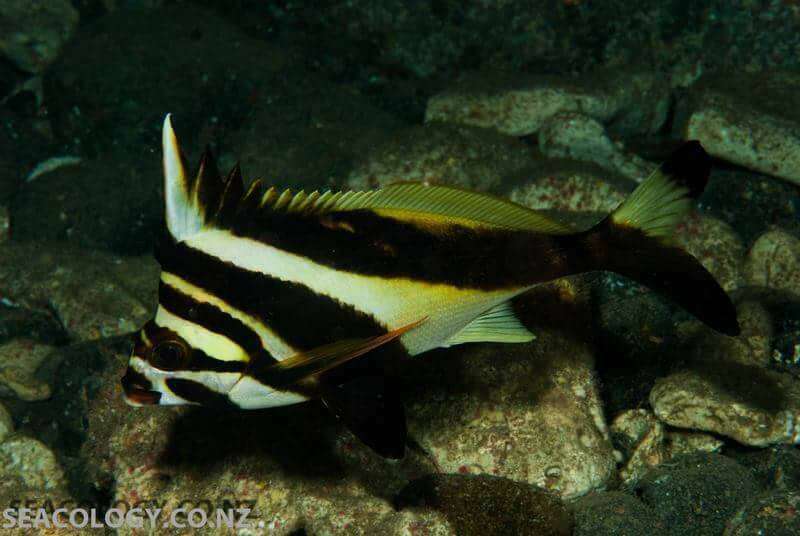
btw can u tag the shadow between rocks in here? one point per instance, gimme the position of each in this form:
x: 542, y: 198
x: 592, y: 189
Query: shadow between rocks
x: 297, y: 438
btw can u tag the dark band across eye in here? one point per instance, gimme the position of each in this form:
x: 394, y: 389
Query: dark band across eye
x: 169, y: 355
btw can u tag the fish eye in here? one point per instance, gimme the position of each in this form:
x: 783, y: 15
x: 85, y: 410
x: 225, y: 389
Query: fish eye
x: 169, y: 355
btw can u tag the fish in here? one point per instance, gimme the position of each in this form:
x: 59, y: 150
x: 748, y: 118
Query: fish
x: 273, y: 297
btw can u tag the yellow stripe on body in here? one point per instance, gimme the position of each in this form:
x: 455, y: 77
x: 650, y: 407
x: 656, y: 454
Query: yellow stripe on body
x: 270, y: 340
x: 392, y: 302
x: 213, y: 344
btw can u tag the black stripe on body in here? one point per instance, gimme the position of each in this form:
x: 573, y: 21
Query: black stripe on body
x: 301, y: 317
x: 367, y: 243
x: 211, y: 318
x: 199, y: 360
x: 198, y: 393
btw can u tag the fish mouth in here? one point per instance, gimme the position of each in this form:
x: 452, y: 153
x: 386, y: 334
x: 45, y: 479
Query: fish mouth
x: 137, y: 389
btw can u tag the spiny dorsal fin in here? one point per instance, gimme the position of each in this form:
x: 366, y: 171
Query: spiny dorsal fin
x: 190, y: 202
x: 418, y: 198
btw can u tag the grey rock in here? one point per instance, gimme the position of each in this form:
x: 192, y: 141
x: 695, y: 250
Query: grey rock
x: 33, y: 33
x: 696, y: 495
x: 613, y: 513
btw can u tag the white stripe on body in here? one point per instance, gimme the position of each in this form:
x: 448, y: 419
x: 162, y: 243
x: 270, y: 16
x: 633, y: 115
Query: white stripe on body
x: 393, y: 302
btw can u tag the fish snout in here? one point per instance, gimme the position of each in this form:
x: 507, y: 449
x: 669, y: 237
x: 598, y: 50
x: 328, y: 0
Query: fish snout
x: 138, y: 389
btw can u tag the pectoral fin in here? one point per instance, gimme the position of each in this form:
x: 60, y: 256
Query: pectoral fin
x: 372, y: 410
x: 498, y: 324
x: 323, y: 358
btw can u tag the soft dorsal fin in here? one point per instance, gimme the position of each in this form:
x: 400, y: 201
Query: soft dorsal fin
x: 419, y: 198
x: 498, y: 324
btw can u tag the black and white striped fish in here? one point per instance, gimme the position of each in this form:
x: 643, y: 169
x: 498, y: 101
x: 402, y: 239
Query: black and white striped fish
x: 270, y: 298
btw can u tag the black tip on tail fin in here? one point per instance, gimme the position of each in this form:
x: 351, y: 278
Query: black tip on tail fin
x: 636, y: 240
x: 689, y: 166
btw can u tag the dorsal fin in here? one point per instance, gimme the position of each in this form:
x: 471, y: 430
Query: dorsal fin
x: 418, y: 198
x: 207, y: 200
x: 190, y: 202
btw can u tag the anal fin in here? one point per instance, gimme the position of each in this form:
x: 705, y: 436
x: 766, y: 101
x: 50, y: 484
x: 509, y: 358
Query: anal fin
x: 498, y: 324
x: 371, y: 408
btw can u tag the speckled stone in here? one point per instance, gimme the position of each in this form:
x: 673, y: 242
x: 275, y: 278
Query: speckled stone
x: 520, y: 106
x: 33, y: 33
x: 696, y: 495
x: 92, y: 294
x: 19, y: 360
x: 642, y: 437
x: 773, y: 514
x: 613, y: 513
x: 6, y: 423
x: 645, y: 443
x: 774, y: 261
x: 529, y: 413
x: 456, y: 155
x: 579, y: 137
x: 716, y: 245
x: 748, y: 119
x: 753, y: 406
x: 582, y: 191
x: 29, y: 471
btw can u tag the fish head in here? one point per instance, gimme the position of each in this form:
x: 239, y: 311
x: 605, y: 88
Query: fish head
x: 165, y: 369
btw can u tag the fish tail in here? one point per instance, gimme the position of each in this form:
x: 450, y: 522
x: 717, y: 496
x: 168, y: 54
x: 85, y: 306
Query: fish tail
x: 636, y: 240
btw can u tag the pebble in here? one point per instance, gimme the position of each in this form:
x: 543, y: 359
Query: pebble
x: 437, y: 153
x: 774, y: 262
x: 19, y: 360
x: 580, y: 137
x: 637, y: 101
x: 753, y: 406
x: 748, y: 119
x: 6, y: 423
x: 696, y: 495
x: 35, y: 32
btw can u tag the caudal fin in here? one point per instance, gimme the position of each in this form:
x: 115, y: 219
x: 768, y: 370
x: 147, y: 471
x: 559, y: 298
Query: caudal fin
x: 636, y: 240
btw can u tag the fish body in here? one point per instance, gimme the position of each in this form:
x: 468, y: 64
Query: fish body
x: 269, y: 298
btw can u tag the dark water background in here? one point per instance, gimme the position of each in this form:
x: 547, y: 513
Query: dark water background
x: 339, y: 95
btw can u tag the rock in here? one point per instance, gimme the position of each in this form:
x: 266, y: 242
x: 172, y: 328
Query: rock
x: 753, y: 347
x: 6, y: 423
x: 717, y: 247
x: 19, y: 360
x: 682, y: 443
x: 570, y: 189
x: 696, y: 495
x: 777, y: 467
x: 638, y: 102
x: 33, y: 33
x: 645, y: 443
x: 29, y: 471
x: 530, y: 413
x: 754, y: 406
x: 577, y: 136
x: 613, y: 513
x: 748, y: 119
x: 113, y: 84
x: 76, y: 204
x: 641, y: 437
x: 487, y: 505
x: 90, y: 293
x: 5, y: 224
x: 304, y: 132
x: 773, y: 513
x: 468, y: 157
x: 294, y: 466
x: 774, y: 261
